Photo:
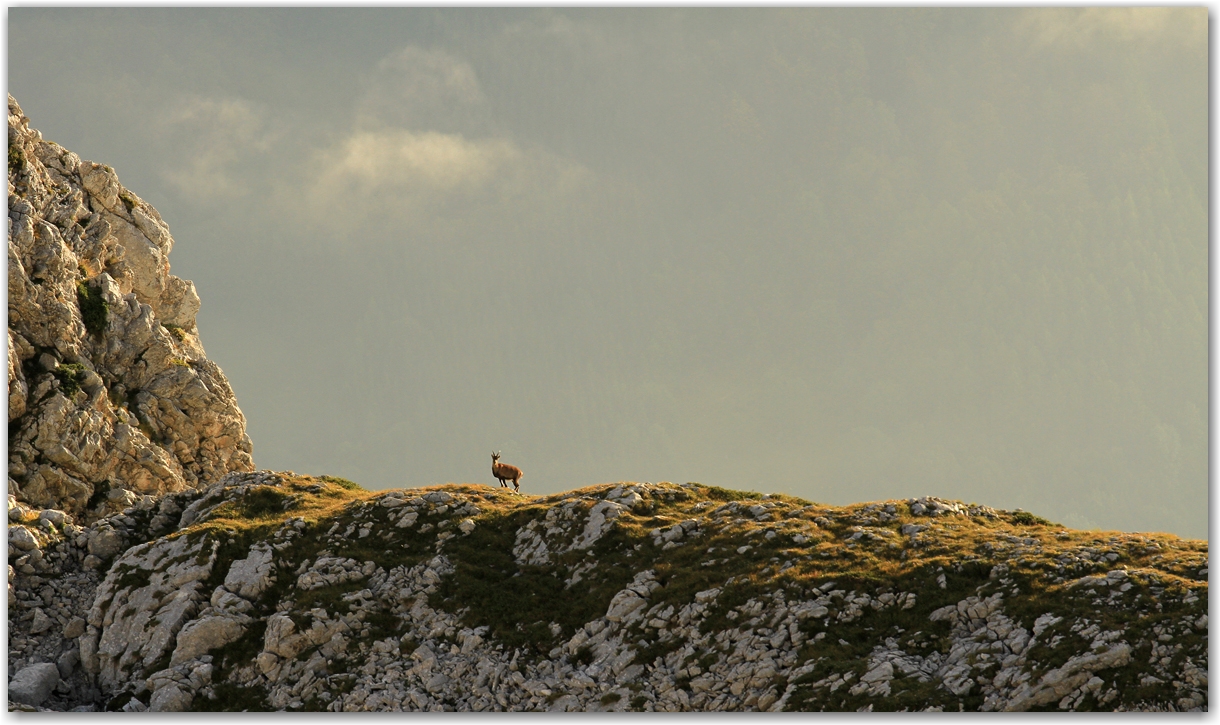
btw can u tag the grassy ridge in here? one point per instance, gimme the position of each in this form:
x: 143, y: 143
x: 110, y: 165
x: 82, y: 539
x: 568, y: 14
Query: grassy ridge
x: 748, y: 545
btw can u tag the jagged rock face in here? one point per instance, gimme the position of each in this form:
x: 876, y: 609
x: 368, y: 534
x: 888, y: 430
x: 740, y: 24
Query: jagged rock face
x: 110, y: 393
x: 273, y: 591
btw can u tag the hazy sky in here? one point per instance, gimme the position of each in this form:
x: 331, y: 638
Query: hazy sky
x: 847, y: 254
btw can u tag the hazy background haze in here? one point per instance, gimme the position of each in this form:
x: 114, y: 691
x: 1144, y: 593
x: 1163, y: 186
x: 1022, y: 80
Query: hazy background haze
x: 847, y: 254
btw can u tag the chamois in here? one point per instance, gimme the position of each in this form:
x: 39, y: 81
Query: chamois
x: 505, y: 472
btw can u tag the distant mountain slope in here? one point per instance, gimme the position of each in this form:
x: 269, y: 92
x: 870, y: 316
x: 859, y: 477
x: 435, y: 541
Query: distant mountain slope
x: 110, y: 394
x: 276, y: 591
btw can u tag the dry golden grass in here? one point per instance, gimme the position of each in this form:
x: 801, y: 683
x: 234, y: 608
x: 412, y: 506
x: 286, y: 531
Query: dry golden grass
x: 749, y: 553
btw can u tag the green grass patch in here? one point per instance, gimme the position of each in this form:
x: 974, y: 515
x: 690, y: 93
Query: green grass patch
x: 342, y: 482
x: 518, y: 603
x: 16, y: 157
x: 94, y: 310
x: 70, y: 376
x: 1025, y: 518
x: 131, y: 576
x: 232, y: 698
x: 261, y: 501
x: 382, y: 624
x: 716, y: 493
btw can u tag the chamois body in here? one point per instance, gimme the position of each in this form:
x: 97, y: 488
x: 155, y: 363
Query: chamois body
x: 505, y: 472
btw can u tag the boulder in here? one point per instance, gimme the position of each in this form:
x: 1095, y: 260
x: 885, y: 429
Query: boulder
x: 74, y: 628
x: 23, y: 538
x: 624, y: 604
x: 67, y: 663
x: 54, y: 516
x: 601, y: 517
x: 281, y: 637
x: 41, y: 622
x: 33, y: 684
x: 248, y: 577
x: 104, y: 543
x: 202, y: 635
x: 171, y: 698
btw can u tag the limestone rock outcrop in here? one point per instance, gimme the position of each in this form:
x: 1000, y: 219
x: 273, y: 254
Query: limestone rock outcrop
x: 274, y: 591
x: 110, y: 394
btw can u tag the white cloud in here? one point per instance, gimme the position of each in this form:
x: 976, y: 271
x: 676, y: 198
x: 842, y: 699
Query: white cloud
x: 420, y: 148
x: 419, y: 140
x: 207, y: 138
x: 408, y: 176
x: 402, y: 160
x: 1081, y: 27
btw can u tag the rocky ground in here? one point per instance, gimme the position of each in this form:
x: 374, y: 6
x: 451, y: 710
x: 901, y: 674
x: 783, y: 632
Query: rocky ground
x: 273, y: 591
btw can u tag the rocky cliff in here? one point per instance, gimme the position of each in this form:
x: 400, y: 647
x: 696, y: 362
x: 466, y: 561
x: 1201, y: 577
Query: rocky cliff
x: 150, y: 568
x: 110, y: 393
x: 275, y: 591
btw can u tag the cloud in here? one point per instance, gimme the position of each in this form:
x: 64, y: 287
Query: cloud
x: 414, y: 86
x: 421, y: 149
x: 1082, y: 27
x: 207, y: 139
x: 410, y: 175
x: 423, y: 137
x: 367, y: 162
